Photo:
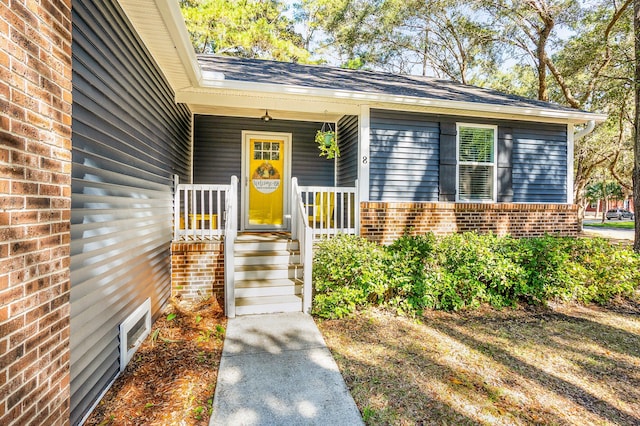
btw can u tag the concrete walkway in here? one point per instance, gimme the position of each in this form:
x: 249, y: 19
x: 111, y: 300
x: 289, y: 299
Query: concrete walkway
x: 277, y: 370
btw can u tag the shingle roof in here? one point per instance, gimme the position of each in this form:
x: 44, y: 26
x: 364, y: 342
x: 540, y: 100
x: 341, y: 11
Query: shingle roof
x: 325, y: 77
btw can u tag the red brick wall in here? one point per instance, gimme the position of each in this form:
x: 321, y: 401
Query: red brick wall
x: 35, y: 179
x: 197, y: 269
x: 385, y: 222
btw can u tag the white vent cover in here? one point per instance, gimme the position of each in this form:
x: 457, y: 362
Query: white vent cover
x: 133, y: 331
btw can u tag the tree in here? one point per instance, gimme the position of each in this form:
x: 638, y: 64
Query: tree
x: 528, y: 27
x: 604, y: 191
x: 591, y: 70
x: 244, y: 28
x: 438, y: 37
x: 636, y: 145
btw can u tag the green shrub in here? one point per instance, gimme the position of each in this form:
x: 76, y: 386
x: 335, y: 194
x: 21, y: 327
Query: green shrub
x: 548, y: 271
x: 481, y: 269
x: 409, y: 288
x: 463, y: 271
x: 346, y: 269
x: 603, y: 271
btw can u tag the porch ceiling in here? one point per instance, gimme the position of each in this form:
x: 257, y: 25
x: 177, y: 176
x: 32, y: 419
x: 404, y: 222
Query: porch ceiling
x: 280, y: 106
x: 277, y: 114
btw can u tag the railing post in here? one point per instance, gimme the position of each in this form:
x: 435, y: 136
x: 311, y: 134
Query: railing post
x: 176, y: 207
x: 356, y: 208
x: 294, y: 207
x: 307, y: 284
x: 230, y: 228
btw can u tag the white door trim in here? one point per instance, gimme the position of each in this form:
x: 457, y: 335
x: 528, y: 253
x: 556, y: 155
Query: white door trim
x: 247, y: 135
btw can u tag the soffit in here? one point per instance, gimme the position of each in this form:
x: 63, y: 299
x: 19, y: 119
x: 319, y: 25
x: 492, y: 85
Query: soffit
x: 164, y: 33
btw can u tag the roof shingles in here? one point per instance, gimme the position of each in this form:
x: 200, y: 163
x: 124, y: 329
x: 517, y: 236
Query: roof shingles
x: 324, y: 77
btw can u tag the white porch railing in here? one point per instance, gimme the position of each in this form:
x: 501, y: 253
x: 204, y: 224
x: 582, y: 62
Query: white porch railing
x: 330, y: 210
x: 198, y: 211
x: 301, y: 231
x: 207, y: 212
x: 319, y: 212
x: 230, y: 233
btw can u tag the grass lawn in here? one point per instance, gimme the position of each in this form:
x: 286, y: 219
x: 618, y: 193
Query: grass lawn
x: 612, y: 224
x: 559, y: 365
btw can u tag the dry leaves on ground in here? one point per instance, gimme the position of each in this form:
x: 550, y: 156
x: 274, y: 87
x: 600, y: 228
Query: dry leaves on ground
x: 562, y: 365
x: 171, y: 378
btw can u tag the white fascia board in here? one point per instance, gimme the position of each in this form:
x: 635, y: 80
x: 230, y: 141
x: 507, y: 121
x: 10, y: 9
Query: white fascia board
x: 172, y: 16
x: 528, y: 113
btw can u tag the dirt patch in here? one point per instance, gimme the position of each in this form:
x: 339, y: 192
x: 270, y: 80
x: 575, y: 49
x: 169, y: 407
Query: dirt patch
x: 172, y: 377
x: 559, y: 365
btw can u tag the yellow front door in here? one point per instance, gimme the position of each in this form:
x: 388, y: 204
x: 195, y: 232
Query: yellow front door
x: 266, y: 182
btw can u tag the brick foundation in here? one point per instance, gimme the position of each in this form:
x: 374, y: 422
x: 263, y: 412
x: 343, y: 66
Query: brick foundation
x: 197, y: 269
x: 35, y: 203
x: 384, y: 222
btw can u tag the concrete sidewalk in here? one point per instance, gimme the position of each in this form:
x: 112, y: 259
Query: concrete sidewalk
x: 277, y: 370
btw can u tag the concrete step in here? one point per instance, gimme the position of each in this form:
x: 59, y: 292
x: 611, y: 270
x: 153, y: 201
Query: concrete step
x: 268, y: 304
x: 267, y: 272
x: 265, y: 245
x: 266, y: 258
x: 257, y: 288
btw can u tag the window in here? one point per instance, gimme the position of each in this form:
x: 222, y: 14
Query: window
x: 477, y: 172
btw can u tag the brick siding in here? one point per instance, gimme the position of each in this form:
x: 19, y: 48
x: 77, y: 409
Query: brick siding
x: 35, y: 203
x: 197, y: 269
x: 384, y: 222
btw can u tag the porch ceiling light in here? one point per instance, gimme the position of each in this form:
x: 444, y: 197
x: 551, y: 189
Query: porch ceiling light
x: 266, y: 117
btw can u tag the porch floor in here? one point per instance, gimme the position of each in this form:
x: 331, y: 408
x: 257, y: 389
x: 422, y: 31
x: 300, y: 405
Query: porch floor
x: 263, y: 236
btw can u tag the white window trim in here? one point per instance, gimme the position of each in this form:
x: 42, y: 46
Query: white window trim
x: 494, y: 164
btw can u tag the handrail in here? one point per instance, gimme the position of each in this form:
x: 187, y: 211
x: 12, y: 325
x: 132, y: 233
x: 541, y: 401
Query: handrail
x: 301, y: 231
x: 230, y: 233
x: 176, y: 206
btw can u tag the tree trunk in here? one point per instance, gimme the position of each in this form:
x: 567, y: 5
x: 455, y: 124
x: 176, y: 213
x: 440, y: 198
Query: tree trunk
x: 636, y: 142
x: 543, y: 94
x: 541, y: 48
x: 425, y: 56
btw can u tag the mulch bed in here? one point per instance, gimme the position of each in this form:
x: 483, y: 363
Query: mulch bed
x: 172, y: 377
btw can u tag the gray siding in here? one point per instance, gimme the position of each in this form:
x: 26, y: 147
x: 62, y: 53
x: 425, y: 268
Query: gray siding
x: 129, y: 138
x: 404, y: 157
x: 540, y: 164
x: 347, y: 163
x: 532, y: 158
x: 218, y: 149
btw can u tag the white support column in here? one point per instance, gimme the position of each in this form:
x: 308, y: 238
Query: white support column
x: 570, y: 153
x: 364, y: 159
x: 192, y: 148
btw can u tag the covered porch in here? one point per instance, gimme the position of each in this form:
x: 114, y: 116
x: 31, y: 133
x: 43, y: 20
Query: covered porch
x: 260, y: 195
x: 255, y: 271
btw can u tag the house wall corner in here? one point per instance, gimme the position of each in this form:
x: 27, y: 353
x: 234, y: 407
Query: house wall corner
x: 35, y: 206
